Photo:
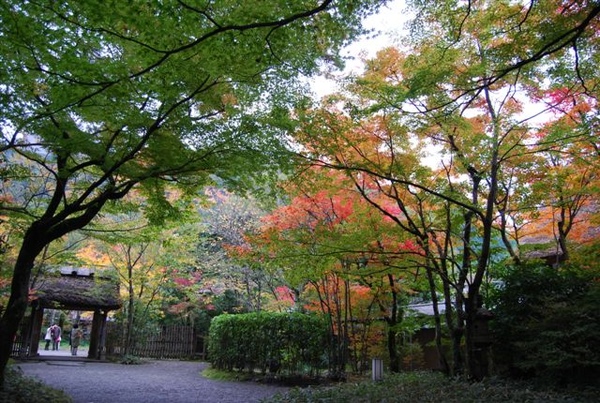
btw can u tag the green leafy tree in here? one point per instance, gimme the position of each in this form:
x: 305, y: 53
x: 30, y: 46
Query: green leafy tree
x: 461, y: 86
x: 145, y: 261
x: 225, y: 223
x: 343, y: 258
x: 106, y: 97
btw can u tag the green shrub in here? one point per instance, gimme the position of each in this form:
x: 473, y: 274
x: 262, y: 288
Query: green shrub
x: 547, y: 324
x: 425, y: 387
x: 21, y: 389
x: 130, y: 360
x: 292, y: 343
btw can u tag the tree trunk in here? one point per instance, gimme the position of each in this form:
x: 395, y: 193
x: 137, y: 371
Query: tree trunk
x: 438, y: 323
x: 130, y: 311
x: 476, y: 367
x: 19, y: 294
x: 563, y: 230
x: 392, y: 322
x: 393, y: 349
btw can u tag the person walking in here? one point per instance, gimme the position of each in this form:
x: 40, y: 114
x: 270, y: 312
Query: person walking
x: 76, y: 335
x: 48, y: 338
x: 55, y: 332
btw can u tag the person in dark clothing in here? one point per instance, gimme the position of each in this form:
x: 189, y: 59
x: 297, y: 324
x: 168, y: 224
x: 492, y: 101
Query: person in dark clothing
x: 76, y: 335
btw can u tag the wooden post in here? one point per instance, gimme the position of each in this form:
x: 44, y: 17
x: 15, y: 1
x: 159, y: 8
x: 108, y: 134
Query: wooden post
x: 94, y: 352
x: 377, y: 369
x: 102, y: 334
x: 36, y: 330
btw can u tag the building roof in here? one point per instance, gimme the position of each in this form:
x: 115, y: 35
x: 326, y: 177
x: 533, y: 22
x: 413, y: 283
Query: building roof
x: 551, y: 255
x: 77, y: 289
x: 426, y: 308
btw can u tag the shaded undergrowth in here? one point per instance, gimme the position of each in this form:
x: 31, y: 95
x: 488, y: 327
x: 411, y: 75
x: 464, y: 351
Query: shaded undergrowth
x: 22, y: 389
x: 427, y: 387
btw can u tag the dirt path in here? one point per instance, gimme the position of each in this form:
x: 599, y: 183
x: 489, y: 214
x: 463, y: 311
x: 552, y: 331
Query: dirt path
x: 152, y: 382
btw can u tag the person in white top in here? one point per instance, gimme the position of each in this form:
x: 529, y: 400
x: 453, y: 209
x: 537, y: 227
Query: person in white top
x: 48, y: 338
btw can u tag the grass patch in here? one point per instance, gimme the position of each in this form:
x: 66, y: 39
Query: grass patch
x: 278, y: 379
x: 21, y: 389
x: 424, y: 387
x: 131, y: 360
x: 127, y: 359
x: 219, y: 375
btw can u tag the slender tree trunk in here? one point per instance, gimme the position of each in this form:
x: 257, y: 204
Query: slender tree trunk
x: 563, y: 230
x: 330, y: 307
x: 392, y: 322
x: 513, y: 252
x: 477, y: 368
x: 459, y: 330
x: 346, y: 320
x: 438, y: 323
x: 298, y: 301
x: 130, y: 310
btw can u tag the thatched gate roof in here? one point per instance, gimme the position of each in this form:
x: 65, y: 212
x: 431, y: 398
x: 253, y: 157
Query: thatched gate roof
x: 77, y: 289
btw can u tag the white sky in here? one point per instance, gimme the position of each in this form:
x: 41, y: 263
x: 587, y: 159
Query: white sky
x: 387, y: 26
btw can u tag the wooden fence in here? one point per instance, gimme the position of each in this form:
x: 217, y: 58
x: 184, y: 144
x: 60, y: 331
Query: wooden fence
x: 160, y: 342
x: 20, y: 346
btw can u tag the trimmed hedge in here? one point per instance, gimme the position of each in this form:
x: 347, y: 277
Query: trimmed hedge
x: 290, y: 343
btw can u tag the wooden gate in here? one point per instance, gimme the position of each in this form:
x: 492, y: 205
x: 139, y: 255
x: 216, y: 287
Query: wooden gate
x: 20, y: 346
x: 156, y: 342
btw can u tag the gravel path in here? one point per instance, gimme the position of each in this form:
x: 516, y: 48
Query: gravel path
x: 152, y: 382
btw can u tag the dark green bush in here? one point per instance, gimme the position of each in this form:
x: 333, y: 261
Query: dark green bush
x: 547, y: 324
x: 425, y: 387
x: 22, y: 389
x: 290, y: 343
